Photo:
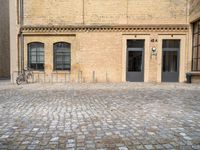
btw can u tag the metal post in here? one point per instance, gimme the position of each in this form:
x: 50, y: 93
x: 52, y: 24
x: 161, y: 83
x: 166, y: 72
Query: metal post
x: 12, y: 81
x: 106, y: 77
x: 69, y: 77
x: 65, y: 77
x: 38, y: 78
x: 93, y: 76
x: 51, y: 78
x: 44, y: 78
x: 81, y: 76
x: 33, y: 78
x: 78, y: 77
x: 56, y: 77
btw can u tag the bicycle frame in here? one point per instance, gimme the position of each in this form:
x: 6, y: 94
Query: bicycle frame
x: 24, y: 76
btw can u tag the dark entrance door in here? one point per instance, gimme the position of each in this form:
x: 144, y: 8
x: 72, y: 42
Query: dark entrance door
x: 170, y: 62
x: 135, y: 61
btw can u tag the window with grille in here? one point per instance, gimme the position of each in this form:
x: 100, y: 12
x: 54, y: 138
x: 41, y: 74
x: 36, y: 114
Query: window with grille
x: 196, y: 47
x: 62, y: 56
x: 36, y: 56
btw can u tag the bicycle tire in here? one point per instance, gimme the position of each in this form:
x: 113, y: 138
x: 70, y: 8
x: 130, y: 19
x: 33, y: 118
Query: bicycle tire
x: 19, y: 81
x: 28, y: 76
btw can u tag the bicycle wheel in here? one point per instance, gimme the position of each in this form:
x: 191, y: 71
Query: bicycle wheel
x: 19, y: 80
x: 29, y: 76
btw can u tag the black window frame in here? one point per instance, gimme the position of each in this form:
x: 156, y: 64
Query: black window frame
x: 38, y: 66
x: 66, y: 64
x: 196, y: 60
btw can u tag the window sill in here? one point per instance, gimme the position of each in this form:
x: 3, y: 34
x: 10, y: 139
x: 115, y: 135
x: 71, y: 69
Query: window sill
x: 61, y: 71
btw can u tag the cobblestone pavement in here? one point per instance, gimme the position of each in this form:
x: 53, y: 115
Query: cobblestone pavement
x: 123, y: 116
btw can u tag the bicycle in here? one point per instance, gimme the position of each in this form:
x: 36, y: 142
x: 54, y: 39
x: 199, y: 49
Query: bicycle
x: 24, y: 76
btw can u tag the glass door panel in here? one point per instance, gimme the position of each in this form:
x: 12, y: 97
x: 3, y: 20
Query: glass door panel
x: 170, y: 61
x: 135, y: 61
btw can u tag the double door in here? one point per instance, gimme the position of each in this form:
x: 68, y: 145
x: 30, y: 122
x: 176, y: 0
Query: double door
x: 170, y: 60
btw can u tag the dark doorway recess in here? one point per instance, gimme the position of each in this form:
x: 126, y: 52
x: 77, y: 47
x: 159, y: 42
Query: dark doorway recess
x: 135, y: 61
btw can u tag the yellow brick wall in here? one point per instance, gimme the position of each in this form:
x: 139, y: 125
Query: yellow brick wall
x: 104, y: 52
x: 105, y: 12
x: 194, y: 10
x: 53, y: 12
x: 157, y: 11
x: 91, y: 52
x: 101, y: 52
x: 90, y: 12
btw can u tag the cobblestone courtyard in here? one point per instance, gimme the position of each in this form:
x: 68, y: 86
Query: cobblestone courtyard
x: 100, y: 116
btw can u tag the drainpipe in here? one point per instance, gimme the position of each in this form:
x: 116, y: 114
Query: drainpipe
x: 22, y: 51
x: 21, y: 35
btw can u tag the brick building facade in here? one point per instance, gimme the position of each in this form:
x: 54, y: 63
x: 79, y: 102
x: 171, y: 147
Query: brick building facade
x: 104, y: 40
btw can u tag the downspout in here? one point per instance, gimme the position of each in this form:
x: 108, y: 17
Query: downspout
x: 189, y: 36
x: 21, y: 34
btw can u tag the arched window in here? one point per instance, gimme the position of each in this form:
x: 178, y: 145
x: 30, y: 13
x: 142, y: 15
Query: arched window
x: 36, y: 56
x: 62, y: 56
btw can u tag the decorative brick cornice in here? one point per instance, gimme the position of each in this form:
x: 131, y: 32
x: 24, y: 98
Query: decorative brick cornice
x: 136, y: 28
